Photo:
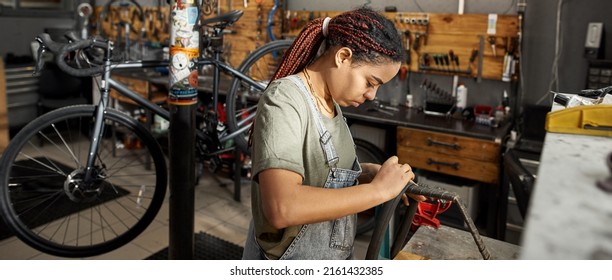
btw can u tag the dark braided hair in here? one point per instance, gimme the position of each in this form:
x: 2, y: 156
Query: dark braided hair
x: 370, y: 35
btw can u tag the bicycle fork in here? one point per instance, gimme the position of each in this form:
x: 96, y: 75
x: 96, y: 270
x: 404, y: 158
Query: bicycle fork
x: 98, y: 126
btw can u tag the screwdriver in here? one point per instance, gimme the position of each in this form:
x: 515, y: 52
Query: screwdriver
x: 492, y: 42
x: 456, y: 59
x: 473, y: 55
x: 446, y: 62
x: 407, y: 34
x: 426, y: 59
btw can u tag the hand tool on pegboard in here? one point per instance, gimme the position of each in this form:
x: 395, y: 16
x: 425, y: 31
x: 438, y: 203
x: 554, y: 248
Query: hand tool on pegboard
x: 451, y: 55
x: 455, y: 60
x: 407, y: 46
x: 491, y: 40
x: 436, y: 59
x: 208, y: 6
x: 417, y: 40
x: 447, y: 62
x: 271, y: 20
x: 480, y: 59
x: 425, y: 22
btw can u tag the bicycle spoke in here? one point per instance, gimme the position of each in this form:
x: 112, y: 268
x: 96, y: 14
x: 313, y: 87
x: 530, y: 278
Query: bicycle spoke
x: 54, y: 209
x: 52, y: 197
x: 56, y: 169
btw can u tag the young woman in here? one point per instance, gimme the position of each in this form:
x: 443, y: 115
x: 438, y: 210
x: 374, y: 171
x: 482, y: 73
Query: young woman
x: 307, y: 183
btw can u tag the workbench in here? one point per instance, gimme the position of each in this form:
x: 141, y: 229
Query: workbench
x: 447, y: 243
x: 414, y: 118
x: 569, y: 217
x: 443, y: 145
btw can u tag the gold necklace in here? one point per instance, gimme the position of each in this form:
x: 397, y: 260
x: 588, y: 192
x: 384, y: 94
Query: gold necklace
x: 331, y: 112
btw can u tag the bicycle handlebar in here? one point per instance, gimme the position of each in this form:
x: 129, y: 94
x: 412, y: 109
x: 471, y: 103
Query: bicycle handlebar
x: 429, y: 191
x: 61, y: 50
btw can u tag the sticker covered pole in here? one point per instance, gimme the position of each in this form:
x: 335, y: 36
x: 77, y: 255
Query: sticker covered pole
x: 182, y: 102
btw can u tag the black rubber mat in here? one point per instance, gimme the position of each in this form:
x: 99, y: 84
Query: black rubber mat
x: 207, y: 247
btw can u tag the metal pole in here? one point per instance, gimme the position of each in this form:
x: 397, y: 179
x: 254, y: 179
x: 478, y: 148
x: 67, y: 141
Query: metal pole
x: 182, y: 100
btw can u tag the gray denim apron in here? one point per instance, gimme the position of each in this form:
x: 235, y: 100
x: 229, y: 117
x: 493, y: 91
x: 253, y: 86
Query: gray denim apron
x: 325, y: 240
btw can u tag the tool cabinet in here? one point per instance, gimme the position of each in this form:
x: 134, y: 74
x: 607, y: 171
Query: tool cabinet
x: 21, y: 94
x: 450, y: 154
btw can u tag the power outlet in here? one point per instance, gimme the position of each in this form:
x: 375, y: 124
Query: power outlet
x: 593, y: 41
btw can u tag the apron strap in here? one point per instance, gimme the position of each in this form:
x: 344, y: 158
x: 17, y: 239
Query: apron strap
x: 325, y: 137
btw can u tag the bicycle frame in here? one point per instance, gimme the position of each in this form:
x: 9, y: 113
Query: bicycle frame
x: 108, y: 82
x: 85, y: 168
x: 222, y: 66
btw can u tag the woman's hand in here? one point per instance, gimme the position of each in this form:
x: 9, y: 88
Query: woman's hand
x: 392, y: 177
x: 389, y: 172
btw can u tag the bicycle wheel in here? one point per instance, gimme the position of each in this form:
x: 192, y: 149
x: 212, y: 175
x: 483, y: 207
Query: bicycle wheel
x: 47, y: 204
x: 367, y: 152
x: 242, y: 99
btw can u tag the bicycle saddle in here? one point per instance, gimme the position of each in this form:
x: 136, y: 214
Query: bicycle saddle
x: 224, y: 19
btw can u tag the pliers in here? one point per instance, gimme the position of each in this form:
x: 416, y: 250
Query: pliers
x: 378, y: 107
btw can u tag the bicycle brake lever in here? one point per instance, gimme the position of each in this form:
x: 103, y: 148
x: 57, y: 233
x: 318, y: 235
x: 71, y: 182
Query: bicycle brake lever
x: 40, y: 63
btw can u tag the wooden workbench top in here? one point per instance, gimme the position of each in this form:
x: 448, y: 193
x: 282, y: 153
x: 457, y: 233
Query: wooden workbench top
x: 447, y: 243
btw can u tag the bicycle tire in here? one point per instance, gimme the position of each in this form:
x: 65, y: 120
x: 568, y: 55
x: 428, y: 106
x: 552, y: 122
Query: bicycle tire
x: 367, y: 152
x: 242, y: 99
x: 54, y: 211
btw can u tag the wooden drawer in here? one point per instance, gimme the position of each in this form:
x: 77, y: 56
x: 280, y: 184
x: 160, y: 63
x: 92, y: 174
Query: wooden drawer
x: 448, y: 144
x: 481, y: 171
x: 460, y: 156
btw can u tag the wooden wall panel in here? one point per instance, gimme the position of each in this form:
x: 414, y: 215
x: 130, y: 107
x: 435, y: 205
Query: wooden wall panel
x: 444, y: 32
x: 248, y: 33
x: 251, y: 30
x: 157, y: 23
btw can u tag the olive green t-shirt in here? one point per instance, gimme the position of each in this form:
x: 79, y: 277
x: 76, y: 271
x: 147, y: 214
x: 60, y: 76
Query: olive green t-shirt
x: 285, y: 136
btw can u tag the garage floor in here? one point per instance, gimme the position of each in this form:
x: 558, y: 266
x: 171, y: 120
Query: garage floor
x: 216, y: 213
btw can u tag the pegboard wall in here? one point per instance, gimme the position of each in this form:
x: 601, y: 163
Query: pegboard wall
x: 483, y: 46
x: 475, y: 45
x: 111, y: 23
x: 255, y: 28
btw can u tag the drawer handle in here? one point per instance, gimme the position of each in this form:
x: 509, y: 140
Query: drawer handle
x: 431, y: 142
x: 451, y: 165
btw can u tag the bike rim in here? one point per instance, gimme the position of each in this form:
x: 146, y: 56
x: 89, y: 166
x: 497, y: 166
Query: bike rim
x: 51, y: 208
